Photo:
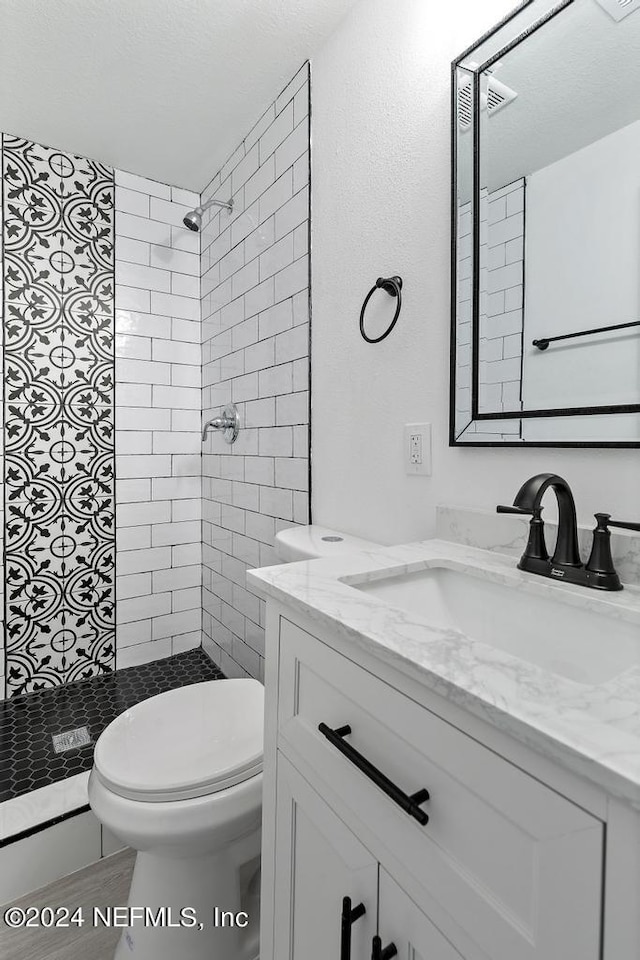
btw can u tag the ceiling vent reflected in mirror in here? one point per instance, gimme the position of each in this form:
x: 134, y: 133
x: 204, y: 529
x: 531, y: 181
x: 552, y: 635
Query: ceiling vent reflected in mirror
x: 546, y: 309
x: 619, y: 9
x: 498, y: 95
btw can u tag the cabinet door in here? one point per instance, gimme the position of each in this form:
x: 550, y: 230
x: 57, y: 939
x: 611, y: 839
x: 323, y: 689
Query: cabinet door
x: 514, y: 865
x: 319, y: 861
x: 405, y: 925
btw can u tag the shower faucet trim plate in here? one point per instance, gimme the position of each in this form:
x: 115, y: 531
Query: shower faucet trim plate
x: 229, y: 423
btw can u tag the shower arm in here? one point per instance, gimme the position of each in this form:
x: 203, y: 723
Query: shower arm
x: 227, y: 204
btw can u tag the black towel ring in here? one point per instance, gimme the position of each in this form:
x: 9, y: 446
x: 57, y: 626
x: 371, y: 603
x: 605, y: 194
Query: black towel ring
x: 392, y: 286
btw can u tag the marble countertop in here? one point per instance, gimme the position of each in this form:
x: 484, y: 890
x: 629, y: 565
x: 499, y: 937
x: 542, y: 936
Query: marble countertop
x: 592, y: 730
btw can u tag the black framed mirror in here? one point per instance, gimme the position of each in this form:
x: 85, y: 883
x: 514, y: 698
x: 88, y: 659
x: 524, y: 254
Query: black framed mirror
x: 545, y: 343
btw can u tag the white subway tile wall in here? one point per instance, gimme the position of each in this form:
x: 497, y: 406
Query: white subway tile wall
x: 255, y: 344
x: 2, y: 624
x: 502, y: 320
x: 158, y: 449
x: 501, y: 312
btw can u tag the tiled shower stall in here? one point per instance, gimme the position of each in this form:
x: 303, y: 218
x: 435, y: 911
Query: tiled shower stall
x: 126, y: 540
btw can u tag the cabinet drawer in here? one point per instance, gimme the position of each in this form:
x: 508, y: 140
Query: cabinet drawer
x: 510, y: 862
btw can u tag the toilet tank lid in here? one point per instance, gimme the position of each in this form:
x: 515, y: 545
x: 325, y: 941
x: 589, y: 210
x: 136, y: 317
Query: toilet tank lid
x: 184, y: 743
x: 317, y: 541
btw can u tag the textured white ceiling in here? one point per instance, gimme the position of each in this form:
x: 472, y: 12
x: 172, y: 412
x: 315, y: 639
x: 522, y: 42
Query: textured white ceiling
x: 162, y: 88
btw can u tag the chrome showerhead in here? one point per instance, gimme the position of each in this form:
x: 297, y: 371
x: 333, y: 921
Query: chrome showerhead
x: 193, y: 220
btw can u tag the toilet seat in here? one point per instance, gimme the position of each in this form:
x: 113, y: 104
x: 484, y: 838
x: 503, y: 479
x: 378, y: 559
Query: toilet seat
x: 185, y: 743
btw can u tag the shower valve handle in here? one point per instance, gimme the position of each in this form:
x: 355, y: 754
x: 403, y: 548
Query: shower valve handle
x: 229, y: 423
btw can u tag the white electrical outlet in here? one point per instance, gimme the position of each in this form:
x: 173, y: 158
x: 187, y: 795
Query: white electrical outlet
x: 417, y: 449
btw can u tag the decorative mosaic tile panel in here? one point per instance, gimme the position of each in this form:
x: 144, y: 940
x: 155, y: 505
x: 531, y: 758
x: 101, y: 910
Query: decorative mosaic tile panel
x: 58, y: 241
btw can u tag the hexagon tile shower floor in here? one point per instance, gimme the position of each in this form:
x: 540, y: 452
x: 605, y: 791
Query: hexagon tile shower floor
x: 29, y: 724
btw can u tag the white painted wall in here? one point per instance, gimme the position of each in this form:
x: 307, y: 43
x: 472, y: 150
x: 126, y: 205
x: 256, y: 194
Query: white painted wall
x: 380, y: 195
x: 582, y: 255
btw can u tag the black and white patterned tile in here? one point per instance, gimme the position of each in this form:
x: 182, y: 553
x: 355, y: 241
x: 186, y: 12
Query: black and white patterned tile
x: 64, y: 448
x: 58, y: 213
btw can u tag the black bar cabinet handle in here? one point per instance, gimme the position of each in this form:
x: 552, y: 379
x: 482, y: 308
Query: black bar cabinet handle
x: 408, y: 802
x: 378, y: 953
x: 349, y: 917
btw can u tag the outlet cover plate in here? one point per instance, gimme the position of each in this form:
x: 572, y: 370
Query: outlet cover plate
x: 417, y: 440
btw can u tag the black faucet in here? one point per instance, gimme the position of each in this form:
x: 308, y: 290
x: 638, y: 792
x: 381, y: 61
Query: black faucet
x: 565, y: 564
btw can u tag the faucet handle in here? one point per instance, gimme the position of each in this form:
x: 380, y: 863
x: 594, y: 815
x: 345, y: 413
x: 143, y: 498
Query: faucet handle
x: 605, y: 519
x: 600, y: 567
x: 536, y: 548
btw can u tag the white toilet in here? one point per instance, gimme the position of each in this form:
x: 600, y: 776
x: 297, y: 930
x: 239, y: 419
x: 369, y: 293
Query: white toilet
x: 313, y: 541
x: 178, y: 778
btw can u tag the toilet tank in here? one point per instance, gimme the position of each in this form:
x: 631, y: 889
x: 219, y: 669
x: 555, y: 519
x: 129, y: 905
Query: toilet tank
x: 310, y: 542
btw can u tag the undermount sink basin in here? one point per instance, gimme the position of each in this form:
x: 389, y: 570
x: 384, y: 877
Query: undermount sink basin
x: 587, y: 647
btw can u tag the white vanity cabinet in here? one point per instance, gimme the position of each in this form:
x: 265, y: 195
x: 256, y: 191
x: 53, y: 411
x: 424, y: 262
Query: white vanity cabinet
x: 320, y: 861
x: 509, y: 866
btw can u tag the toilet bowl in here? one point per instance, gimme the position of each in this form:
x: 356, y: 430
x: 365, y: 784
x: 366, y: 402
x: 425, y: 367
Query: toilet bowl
x: 178, y: 778
x: 312, y: 541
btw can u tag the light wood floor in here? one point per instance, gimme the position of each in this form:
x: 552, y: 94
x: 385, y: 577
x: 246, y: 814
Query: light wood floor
x: 103, y: 884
